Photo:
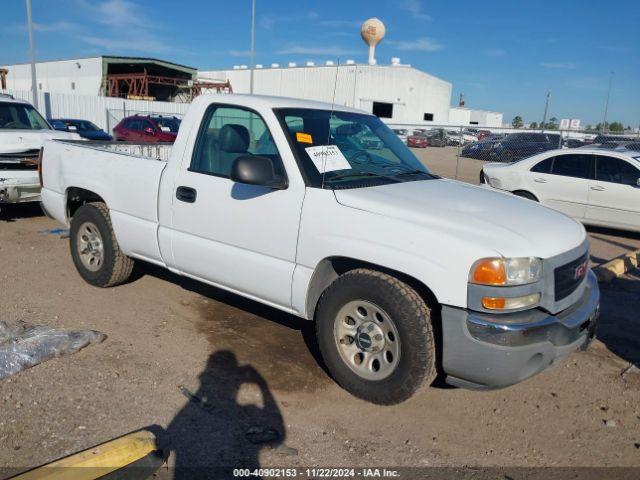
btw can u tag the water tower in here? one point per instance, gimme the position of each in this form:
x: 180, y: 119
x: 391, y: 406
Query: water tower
x: 372, y: 32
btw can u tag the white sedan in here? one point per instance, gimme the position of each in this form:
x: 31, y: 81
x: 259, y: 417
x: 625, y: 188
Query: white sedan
x: 596, y: 186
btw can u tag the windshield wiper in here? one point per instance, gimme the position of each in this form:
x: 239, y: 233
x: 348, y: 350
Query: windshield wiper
x: 406, y: 173
x: 343, y: 176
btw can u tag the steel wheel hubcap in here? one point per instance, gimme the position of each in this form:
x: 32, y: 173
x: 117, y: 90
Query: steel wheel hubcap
x: 367, y: 339
x: 90, y: 246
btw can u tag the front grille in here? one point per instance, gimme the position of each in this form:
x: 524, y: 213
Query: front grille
x: 569, y: 276
x: 19, y: 161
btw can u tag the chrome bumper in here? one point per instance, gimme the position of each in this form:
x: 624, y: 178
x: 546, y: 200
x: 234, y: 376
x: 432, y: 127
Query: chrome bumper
x: 482, y: 350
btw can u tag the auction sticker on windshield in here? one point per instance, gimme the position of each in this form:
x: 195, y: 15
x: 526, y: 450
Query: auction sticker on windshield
x: 327, y: 158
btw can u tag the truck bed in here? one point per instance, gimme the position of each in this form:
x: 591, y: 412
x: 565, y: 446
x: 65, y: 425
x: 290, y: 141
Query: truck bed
x: 154, y: 151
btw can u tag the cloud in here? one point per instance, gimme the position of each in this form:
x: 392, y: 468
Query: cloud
x: 495, y: 52
x: 328, y: 51
x: 355, y: 24
x: 239, y: 53
x: 122, y: 14
x: 559, y: 65
x: 269, y: 21
x: 423, y: 44
x: 414, y: 7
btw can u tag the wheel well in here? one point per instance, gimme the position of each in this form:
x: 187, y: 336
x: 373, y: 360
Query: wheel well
x: 525, y: 193
x: 332, y: 267
x: 77, y: 197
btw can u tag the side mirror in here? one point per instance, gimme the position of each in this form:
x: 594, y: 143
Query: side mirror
x: 256, y: 170
x: 149, y: 131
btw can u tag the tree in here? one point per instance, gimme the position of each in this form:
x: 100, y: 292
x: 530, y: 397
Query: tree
x: 616, y: 127
x: 517, y: 122
x: 533, y: 125
x: 553, y: 124
x: 589, y: 127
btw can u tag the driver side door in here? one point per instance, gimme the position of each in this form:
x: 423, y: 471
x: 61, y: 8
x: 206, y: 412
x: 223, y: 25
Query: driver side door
x: 240, y: 237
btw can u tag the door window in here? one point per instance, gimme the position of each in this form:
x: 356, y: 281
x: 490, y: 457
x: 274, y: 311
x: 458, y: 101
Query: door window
x: 616, y: 170
x: 544, y: 166
x: 572, y: 165
x: 227, y: 133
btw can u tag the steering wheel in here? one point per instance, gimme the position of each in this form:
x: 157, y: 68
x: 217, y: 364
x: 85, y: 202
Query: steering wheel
x: 360, y: 153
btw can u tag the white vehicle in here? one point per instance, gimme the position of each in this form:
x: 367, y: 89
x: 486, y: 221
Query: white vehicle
x: 23, y: 131
x: 402, y: 134
x: 405, y: 274
x: 594, y: 185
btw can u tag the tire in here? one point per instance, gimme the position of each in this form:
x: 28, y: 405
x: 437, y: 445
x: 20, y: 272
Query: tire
x: 527, y: 195
x: 91, y: 232
x: 406, y: 356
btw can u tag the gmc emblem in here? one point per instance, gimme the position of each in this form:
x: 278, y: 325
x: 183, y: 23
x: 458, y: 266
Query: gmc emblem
x: 581, y: 270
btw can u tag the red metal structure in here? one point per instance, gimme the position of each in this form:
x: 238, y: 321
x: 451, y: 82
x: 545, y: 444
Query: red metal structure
x: 137, y: 85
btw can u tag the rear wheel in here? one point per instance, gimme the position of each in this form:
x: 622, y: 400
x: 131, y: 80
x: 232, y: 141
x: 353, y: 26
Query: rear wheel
x: 94, y: 248
x: 375, y: 336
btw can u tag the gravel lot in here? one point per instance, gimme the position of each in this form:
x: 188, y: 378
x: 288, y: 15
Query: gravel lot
x: 206, y: 366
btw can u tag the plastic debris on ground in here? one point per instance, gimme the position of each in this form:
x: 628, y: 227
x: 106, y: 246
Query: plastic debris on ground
x: 22, y: 345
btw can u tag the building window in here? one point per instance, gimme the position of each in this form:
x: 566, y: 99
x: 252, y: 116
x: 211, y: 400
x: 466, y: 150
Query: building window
x: 428, y: 117
x: 383, y: 110
x: 73, y: 85
x: 473, y: 123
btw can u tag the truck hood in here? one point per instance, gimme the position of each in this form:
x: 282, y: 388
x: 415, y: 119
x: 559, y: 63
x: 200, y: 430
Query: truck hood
x: 17, y: 141
x: 501, y: 223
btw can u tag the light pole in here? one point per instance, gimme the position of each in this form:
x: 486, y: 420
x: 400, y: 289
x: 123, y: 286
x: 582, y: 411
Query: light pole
x: 606, y: 104
x: 546, y: 108
x: 252, y: 53
x: 32, y: 54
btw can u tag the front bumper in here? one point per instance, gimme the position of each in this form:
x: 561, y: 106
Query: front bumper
x: 19, y: 190
x: 486, y: 351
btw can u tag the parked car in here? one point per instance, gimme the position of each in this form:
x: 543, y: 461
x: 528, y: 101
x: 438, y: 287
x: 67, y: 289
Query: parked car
x: 148, y: 129
x: 573, y: 142
x: 402, y: 133
x: 23, y: 131
x: 417, y: 141
x: 610, y: 138
x: 482, y: 134
x: 595, y: 186
x: 437, y: 137
x: 364, y: 244
x: 84, y: 128
x: 521, y: 145
x: 481, y: 150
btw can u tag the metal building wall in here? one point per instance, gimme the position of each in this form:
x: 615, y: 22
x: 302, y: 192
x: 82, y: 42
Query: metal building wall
x: 79, y: 76
x: 411, y: 91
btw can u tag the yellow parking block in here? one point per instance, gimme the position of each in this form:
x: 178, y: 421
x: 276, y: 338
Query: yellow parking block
x: 617, y: 267
x: 96, y: 461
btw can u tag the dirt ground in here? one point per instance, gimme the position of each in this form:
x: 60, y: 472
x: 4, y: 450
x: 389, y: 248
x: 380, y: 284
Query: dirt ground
x: 210, y: 371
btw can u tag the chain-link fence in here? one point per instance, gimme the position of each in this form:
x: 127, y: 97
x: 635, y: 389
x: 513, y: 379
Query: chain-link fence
x: 502, y: 144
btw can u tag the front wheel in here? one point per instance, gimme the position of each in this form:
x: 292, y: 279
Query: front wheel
x: 94, y: 248
x: 375, y: 336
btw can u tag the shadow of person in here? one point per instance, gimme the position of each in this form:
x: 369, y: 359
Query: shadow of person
x: 225, y: 423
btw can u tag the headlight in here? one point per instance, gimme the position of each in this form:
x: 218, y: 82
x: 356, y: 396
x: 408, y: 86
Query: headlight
x: 506, y: 271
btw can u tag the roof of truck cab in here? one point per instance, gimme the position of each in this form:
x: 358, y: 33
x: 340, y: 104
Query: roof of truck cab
x: 268, y: 101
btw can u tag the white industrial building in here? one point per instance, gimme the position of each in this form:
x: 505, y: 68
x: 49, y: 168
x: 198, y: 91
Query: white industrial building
x: 104, y: 76
x: 399, y: 94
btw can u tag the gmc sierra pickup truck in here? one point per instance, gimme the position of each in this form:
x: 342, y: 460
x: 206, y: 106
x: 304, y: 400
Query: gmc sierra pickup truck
x: 406, y: 275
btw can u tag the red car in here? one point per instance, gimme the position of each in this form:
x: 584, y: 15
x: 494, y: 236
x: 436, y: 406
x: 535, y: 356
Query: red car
x: 482, y: 134
x: 417, y: 141
x: 147, y: 129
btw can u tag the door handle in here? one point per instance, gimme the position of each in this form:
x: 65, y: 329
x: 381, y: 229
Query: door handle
x: 539, y: 180
x: 597, y: 188
x: 186, y: 194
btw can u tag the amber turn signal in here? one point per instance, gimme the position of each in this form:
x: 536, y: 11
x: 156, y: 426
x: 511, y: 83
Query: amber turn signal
x: 490, y: 271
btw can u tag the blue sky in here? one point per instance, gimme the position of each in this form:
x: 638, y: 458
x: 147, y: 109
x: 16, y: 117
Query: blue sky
x: 503, y: 55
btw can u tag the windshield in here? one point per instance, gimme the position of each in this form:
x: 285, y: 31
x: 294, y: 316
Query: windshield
x: 351, y: 149
x: 172, y: 123
x: 82, y: 125
x: 19, y: 116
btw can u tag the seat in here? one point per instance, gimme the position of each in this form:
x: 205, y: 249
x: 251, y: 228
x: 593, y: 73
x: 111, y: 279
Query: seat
x: 233, y: 142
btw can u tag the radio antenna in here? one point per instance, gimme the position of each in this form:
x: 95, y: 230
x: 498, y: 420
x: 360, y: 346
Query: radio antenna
x: 333, y: 102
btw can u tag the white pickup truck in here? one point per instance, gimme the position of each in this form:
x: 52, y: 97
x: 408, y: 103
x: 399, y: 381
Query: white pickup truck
x: 23, y: 131
x: 405, y: 274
